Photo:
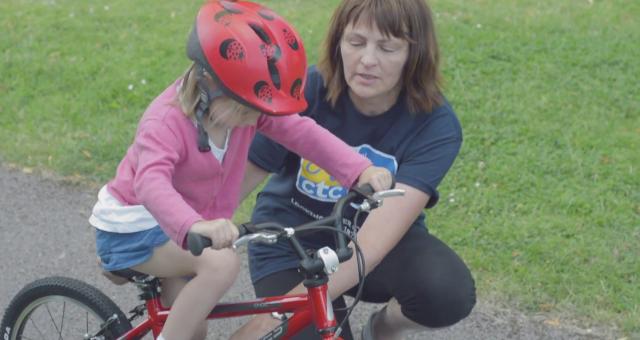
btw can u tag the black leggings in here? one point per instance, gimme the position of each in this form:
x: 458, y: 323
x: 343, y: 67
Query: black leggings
x: 429, y: 280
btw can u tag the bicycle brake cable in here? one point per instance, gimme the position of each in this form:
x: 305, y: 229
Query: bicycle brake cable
x: 361, y: 270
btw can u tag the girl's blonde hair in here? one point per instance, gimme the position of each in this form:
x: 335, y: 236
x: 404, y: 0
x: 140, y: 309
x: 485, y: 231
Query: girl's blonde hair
x: 189, y: 96
x: 188, y: 93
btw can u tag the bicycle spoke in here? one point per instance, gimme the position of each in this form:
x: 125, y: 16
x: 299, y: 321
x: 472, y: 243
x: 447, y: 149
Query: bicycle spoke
x: 64, y: 306
x: 36, y: 327
x: 51, y: 316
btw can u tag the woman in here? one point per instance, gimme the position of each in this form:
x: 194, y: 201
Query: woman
x: 377, y: 87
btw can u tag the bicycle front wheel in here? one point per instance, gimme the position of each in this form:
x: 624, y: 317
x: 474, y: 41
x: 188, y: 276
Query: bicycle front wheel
x: 62, y: 308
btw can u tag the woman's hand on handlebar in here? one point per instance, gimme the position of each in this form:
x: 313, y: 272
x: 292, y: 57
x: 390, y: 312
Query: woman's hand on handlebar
x: 379, y: 178
x: 222, y: 232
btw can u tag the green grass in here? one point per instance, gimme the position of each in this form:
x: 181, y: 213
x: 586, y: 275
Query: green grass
x: 543, y: 202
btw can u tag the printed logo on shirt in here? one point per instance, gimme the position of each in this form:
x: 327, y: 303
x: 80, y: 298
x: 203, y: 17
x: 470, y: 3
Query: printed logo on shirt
x: 317, y: 184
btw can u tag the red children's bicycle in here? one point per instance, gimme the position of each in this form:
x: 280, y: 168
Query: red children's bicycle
x: 65, y: 308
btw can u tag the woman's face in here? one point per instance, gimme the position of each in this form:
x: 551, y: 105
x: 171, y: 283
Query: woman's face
x: 373, y: 65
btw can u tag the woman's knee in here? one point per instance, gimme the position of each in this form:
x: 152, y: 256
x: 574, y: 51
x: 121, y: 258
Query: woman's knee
x: 439, y: 301
x: 436, y: 288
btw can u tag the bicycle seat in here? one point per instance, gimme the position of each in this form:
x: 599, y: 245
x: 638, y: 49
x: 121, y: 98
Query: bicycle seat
x: 120, y: 277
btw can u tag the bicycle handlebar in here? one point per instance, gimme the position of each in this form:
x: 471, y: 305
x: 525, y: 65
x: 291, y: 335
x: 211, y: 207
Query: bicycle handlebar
x: 247, y: 232
x: 270, y: 232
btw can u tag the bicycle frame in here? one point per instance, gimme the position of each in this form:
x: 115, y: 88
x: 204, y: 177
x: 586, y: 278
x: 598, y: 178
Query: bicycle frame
x: 313, y: 307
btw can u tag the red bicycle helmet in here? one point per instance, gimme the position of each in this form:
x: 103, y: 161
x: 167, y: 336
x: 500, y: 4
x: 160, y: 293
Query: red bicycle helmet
x: 255, y: 55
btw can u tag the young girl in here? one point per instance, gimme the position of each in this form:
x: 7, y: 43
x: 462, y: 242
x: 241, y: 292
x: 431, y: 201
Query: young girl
x: 183, y: 171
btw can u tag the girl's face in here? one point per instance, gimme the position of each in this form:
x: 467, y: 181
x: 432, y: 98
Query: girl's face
x: 228, y: 113
x: 373, y: 65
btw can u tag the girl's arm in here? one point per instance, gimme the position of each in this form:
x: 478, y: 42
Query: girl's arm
x: 159, y: 150
x: 306, y: 138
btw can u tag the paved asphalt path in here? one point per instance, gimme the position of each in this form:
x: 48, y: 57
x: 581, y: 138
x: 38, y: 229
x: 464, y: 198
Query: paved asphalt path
x: 44, y: 231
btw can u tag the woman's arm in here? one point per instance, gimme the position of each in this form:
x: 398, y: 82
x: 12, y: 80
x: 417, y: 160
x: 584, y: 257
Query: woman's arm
x: 382, y: 230
x: 253, y: 176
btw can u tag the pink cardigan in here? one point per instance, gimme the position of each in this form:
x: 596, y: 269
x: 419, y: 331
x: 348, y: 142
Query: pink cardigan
x: 164, y: 171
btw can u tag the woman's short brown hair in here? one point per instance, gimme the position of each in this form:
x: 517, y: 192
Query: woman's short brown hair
x: 410, y: 20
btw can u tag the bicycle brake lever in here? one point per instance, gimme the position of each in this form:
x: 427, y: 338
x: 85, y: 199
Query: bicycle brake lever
x: 387, y: 193
x: 258, y: 237
x: 376, y: 199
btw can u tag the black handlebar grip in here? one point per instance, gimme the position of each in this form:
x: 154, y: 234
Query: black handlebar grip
x: 197, y: 243
x: 364, y: 190
x: 244, y: 229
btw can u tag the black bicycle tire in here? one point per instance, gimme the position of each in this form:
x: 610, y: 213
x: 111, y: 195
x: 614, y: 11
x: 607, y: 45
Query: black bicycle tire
x: 83, y: 293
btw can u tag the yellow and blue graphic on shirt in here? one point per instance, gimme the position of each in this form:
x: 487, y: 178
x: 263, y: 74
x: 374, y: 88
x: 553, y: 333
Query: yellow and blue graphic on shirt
x: 317, y: 184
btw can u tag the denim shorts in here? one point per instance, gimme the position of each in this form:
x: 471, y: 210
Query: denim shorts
x: 119, y: 251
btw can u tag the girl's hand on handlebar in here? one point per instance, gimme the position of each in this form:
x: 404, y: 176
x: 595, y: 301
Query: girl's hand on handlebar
x: 379, y: 178
x: 222, y: 232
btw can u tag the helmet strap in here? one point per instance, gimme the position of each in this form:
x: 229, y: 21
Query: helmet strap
x: 207, y: 95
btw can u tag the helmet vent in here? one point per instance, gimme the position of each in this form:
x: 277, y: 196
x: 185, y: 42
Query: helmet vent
x: 275, y: 74
x: 291, y: 39
x: 271, y: 52
x: 261, y: 33
x: 296, y: 89
x: 266, y: 14
x: 231, y: 49
x: 263, y: 91
x: 230, y: 7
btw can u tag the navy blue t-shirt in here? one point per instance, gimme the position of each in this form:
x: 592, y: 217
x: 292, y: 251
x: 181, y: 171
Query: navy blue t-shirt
x: 417, y: 148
